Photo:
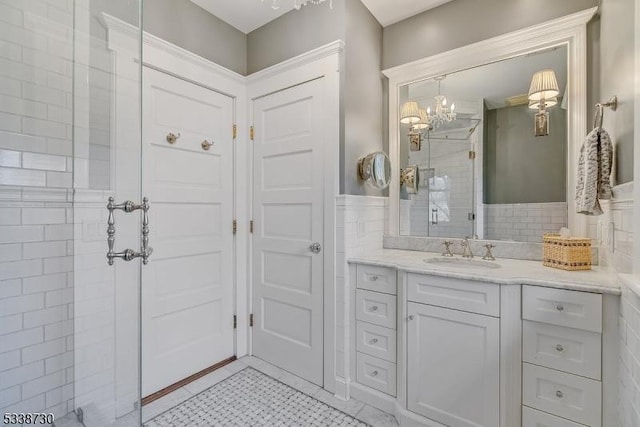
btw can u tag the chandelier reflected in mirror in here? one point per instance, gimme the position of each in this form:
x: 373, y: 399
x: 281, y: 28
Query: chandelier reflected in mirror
x: 429, y: 118
x: 275, y: 4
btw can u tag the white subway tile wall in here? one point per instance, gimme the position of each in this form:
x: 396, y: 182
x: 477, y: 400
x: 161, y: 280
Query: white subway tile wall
x: 36, y: 224
x: 360, y: 225
x: 629, y: 328
x: 524, y: 222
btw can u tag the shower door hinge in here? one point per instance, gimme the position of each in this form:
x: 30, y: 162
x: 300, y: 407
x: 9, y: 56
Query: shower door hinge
x: 235, y: 131
x: 251, y: 226
x: 251, y: 319
x: 235, y: 321
x: 251, y: 133
x: 235, y: 226
x: 472, y: 155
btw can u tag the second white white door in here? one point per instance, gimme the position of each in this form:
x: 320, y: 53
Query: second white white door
x: 187, y: 288
x: 288, y: 229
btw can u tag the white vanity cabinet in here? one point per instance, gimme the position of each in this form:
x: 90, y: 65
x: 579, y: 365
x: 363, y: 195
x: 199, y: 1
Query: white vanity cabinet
x: 440, y: 350
x: 453, y: 356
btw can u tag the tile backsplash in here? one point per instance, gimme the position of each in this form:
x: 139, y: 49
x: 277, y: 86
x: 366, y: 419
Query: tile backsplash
x: 524, y: 222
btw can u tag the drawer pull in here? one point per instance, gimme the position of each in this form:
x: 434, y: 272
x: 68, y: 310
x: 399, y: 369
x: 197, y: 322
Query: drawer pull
x: 374, y: 308
x: 560, y: 308
x: 559, y: 394
x: 559, y: 348
x: 375, y: 340
x: 374, y: 373
x: 374, y: 278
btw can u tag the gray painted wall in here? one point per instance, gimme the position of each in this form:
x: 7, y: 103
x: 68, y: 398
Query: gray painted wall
x: 616, y: 76
x: 363, y: 95
x: 294, y: 33
x: 519, y: 167
x: 175, y: 21
x: 362, y: 100
x: 213, y: 39
x: 462, y: 22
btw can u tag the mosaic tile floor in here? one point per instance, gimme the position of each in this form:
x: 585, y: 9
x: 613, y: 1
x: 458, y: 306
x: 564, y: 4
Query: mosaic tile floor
x: 251, y: 398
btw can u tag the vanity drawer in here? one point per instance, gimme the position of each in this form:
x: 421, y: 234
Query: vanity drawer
x: 376, y: 373
x: 374, y: 278
x: 534, y: 418
x: 376, y: 341
x: 569, y: 350
x: 474, y: 297
x: 573, y: 309
x: 377, y: 308
x: 565, y: 395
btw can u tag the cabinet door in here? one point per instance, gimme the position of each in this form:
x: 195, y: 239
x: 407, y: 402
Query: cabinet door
x: 453, y: 366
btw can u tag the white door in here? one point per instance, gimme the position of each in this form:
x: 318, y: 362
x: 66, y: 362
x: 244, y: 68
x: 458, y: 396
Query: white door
x: 288, y: 220
x: 187, y: 288
x: 453, y: 366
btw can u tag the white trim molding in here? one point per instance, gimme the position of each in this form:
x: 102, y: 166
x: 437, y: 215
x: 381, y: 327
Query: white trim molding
x: 570, y: 30
x: 636, y: 151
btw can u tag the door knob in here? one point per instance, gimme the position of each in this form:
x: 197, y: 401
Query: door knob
x: 315, y: 247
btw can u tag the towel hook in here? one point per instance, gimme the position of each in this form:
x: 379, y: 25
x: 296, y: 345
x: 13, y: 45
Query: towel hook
x: 612, y: 104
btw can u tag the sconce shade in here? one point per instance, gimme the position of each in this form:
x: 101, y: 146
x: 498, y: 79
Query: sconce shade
x: 410, y: 113
x: 424, y: 120
x: 543, y: 85
x: 535, y: 105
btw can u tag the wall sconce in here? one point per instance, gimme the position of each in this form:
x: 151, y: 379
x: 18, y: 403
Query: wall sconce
x: 410, y: 113
x: 543, y: 93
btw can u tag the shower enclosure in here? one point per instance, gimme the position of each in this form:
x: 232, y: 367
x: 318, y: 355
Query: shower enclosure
x: 69, y: 319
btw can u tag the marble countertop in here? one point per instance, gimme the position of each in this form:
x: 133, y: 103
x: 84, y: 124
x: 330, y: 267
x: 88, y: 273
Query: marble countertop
x: 511, y: 271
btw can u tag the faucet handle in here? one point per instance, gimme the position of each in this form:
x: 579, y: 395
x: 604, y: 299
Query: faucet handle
x: 488, y: 255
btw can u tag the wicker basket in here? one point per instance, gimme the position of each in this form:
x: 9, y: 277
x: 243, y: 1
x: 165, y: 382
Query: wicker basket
x: 566, y: 253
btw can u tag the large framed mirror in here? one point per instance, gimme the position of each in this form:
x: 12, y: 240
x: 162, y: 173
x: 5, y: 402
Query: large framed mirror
x: 493, y: 131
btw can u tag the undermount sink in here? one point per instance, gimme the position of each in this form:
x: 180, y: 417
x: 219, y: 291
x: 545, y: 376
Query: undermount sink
x: 463, y: 262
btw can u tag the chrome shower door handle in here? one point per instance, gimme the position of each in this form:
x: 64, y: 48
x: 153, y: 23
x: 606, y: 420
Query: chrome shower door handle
x: 128, y: 254
x: 315, y: 247
x: 111, y: 231
x: 146, y: 250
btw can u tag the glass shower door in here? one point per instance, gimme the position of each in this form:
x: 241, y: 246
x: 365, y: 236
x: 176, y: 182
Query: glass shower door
x: 107, y: 168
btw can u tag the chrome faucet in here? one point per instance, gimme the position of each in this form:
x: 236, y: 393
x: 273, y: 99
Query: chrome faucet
x: 466, y: 248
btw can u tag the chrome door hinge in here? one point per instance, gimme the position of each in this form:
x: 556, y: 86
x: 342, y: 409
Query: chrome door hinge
x: 235, y: 131
x: 235, y: 321
x: 471, y: 216
x: 251, y: 226
x: 472, y: 155
x: 251, y: 133
x: 235, y: 226
x: 251, y: 319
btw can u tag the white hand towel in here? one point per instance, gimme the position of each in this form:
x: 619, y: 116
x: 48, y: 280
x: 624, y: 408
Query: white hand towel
x: 594, y: 170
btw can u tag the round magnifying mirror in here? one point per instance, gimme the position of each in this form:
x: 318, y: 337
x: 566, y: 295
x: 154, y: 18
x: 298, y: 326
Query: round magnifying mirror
x: 375, y: 170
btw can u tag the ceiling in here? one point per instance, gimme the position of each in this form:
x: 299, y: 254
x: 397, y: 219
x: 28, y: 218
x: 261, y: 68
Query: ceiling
x: 247, y: 15
x: 495, y: 82
x: 389, y: 12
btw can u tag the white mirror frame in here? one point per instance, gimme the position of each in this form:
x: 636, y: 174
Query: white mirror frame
x: 570, y: 30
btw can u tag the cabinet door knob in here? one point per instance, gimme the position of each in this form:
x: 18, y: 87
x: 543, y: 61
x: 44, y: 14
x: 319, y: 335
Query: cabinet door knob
x: 374, y: 308
x: 559, y: 394
x: 375, y: 340
x: 411, y: 317
x: 172, y: 137
x: 374, y: 278
x: 560, y: 307
x: 374, y: 373
x: 560, y: 348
